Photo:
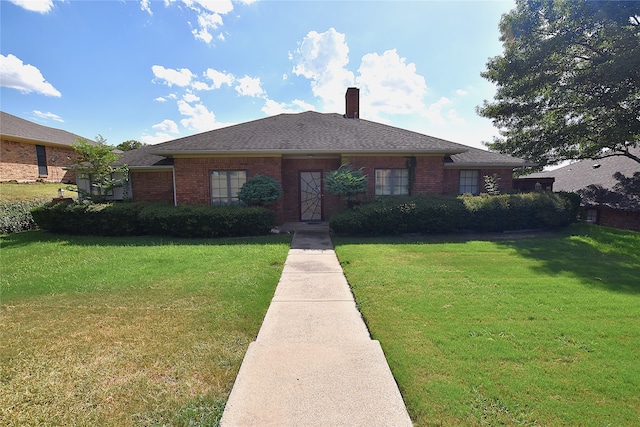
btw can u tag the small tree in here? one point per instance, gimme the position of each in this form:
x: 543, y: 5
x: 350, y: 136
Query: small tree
x: 260, y: 190
x: 346, y: 182
x: 95, y: 162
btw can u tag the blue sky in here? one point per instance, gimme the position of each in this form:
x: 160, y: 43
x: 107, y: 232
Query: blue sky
x: 158, y: 70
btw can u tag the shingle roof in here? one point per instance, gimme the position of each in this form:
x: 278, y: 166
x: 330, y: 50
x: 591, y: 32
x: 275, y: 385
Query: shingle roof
x: 613, y: 181
x: 475, y: 158
x: 142, y: 158
x: 12, y: 127
x: 308, y: 132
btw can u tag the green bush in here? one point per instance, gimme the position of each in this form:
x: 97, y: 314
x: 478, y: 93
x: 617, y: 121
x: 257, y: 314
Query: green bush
x: 260, y: 190
x: 15, y: 216
x: 117, y: 219
x: 442, y: 214
x: 207, y: 221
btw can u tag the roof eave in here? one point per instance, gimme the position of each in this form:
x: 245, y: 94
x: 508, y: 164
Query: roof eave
x: 404, y: 152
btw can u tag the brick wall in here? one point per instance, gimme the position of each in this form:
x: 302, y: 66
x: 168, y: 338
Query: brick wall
x: 623, y: 220
x: 156, y: 186
x: 18, y: 162
x: 192, y: 175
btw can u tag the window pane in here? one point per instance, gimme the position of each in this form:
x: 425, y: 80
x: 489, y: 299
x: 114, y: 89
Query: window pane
x: 225, y: 186
x: 401, y: 182
x: 469, y: 181
x: 383, y: 182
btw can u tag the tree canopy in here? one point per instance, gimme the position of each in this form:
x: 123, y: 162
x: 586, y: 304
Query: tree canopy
x: 95, y: 163
x: 130, y: 144
x: 568, y: 81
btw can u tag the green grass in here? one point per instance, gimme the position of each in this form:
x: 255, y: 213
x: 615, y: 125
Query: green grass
x: 128, y: 331
x: 510, y: 331
x: 33, y: 191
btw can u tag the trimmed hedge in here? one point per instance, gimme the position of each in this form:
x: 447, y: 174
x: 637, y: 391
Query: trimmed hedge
x: 15, y: 216
x: 442, y: 214
x: 125, y: 219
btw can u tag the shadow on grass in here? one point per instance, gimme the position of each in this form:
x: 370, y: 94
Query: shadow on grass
x: 34, y: 236
x: 601, y: 257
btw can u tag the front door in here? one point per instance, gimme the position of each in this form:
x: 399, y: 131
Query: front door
x: 311, y: 196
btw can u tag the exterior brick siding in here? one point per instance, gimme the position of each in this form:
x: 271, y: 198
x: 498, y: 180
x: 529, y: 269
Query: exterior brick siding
x: 451, y: 185
x: 18, y: 161
x: 156, y: 186
x: 624, y: 220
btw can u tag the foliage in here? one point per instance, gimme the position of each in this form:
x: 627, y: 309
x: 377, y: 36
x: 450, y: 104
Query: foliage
x: 442, y: 214
x: 505, y: 331
x: 491, y: 184
x: 260, y: 190
x: 95, y: 163
x: 124, y: 219
x: 568, y: 81
x: 346, y: 182
x: 128, y: 331
x: 16, y: 216
x: 130, y: 144
x: 10, y: 191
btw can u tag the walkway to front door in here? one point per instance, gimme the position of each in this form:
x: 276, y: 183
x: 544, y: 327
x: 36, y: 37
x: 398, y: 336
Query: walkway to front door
x: 311, y: 196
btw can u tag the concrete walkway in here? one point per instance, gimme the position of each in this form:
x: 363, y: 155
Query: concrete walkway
x: 313, y: 362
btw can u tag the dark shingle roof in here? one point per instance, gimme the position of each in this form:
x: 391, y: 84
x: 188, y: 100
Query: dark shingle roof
x: 476, y: 158
x: 12, y: 127
x: 142, y: 158
x: 613, y: 181
x: 318, y: 133
x: 308, y: 132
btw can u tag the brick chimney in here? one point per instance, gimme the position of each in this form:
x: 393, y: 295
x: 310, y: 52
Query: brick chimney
x: 353, y: 103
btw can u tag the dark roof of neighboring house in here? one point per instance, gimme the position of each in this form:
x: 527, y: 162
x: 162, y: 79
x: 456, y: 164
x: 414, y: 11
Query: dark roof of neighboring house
x: 142, y: 158
x: 612, y: 181
x: 15, y: 128
x: 318, y: 133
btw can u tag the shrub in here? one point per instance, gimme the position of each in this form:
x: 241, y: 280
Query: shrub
x: 117, y: 219
x: 260, y: 190
x: 15, y: 216
x: 442, y: 214
x: 346, y: 182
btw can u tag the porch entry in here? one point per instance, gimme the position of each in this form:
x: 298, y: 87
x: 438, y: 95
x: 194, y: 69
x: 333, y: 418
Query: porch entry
x: 311, y: 196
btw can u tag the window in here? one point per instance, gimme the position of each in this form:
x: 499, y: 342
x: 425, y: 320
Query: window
x: 591, y: 215
x: 225, y: 186
x: 392, y: 182
x: 41, y: 155
x: 469, y: 181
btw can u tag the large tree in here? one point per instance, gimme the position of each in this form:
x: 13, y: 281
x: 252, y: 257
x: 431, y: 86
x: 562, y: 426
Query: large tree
x: 568, y: 82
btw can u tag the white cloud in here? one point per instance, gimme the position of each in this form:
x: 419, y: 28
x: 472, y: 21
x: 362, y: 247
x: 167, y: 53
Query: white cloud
x: 166, y: 125
x: 389, y: 85
x: 181, y: 77
x: 161, y: 99
x: 215, y: 6
x: 434, y: 111
x: 208, y: 16
x: 40, y: 6
x: 249, y: 86
x: 221, y: 37
x: 323, y: 58
x: 164, y: 129
x: 272, y: 108
x: 189, y: 97
x: 199, y: 118
x: 24, y: 77
x: 219, y: 78
x: 461, y: 92
x: 146, y: 6
x: 47, y: 116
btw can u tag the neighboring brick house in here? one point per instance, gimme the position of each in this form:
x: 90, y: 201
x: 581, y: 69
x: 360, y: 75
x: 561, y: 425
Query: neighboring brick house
x: 31, y: 152
x: 298, y: 150
x: 609, y: 188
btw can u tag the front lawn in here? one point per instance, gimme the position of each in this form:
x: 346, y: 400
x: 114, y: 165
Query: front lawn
x: 506, y: 331
x: 128, y: 331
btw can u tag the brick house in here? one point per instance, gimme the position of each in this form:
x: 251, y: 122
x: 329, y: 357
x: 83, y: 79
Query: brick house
x: 298, y: 150
x: 31, y: 152
x: 609, y: 188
